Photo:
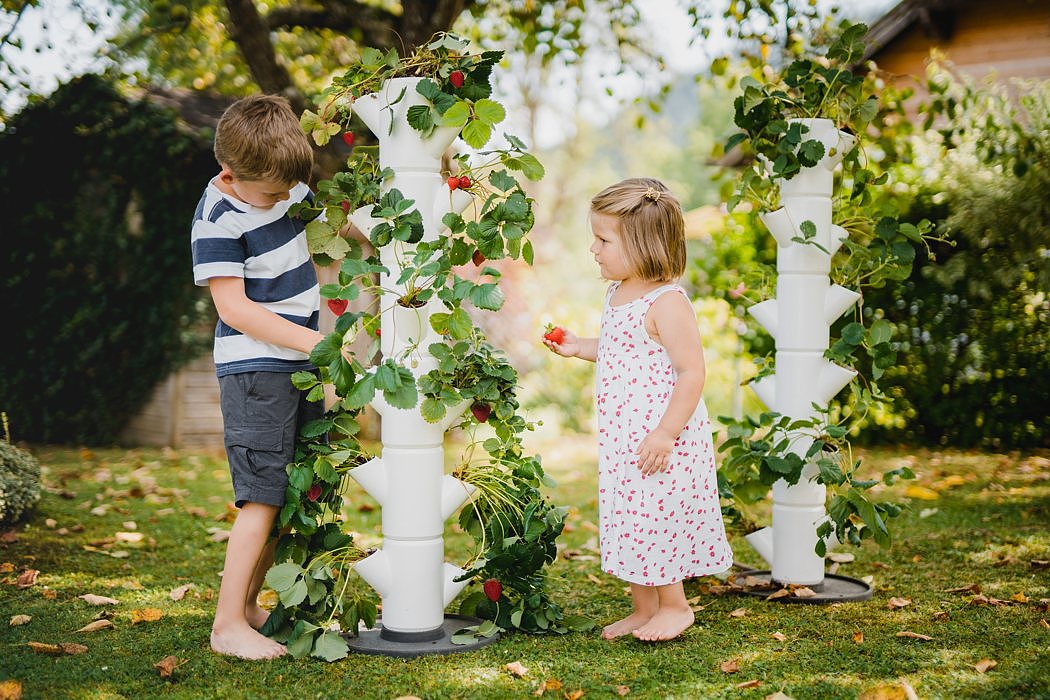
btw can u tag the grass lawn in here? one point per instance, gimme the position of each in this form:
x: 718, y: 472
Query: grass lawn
x: 974, y: 519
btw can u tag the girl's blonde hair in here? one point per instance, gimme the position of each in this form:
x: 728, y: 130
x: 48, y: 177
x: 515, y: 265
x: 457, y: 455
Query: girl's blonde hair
x: 652, y: 228
x: 259, y: 138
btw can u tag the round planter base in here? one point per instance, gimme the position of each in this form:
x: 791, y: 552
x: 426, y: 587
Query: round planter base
x: 835, y: 589
x: 373, y: 642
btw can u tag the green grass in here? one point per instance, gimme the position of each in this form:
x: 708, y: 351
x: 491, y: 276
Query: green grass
x: 987, y: 530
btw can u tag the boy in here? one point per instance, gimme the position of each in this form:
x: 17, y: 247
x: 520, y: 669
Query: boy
x: 254, y: 259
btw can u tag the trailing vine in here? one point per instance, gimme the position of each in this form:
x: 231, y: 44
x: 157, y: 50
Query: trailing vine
x: 514, y: 526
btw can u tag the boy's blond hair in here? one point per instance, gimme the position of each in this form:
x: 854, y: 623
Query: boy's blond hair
x: 258, y: 138
x: 652, y: 228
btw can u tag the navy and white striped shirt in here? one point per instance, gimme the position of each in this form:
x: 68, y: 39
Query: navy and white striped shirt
x: 268, y: 249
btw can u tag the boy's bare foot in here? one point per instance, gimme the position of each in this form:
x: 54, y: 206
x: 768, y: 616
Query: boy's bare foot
x: 665, y: 624
x: 626, y: 625
x: 256, y: 615
x: 245, y: 643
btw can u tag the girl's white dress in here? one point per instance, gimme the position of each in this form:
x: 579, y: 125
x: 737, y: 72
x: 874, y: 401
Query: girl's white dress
x: 665, y: 527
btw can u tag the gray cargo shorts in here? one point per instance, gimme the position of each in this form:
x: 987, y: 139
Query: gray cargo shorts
x: 262, y: 413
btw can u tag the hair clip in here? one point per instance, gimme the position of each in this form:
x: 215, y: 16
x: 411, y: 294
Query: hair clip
x: 652, y: 194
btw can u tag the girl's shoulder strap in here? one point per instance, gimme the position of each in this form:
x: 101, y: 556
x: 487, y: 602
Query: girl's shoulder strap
x: 613, y: 286
x: 651, y: 297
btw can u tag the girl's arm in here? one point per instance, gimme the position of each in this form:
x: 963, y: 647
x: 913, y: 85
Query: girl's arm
x: 672, y: 322
x: 572, y: 346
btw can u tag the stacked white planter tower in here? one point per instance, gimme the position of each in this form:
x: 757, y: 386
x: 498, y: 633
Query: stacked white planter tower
x: 408, y: 479
x: 799, y: 319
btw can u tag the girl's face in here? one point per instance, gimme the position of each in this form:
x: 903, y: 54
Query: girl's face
x: 608, y: 247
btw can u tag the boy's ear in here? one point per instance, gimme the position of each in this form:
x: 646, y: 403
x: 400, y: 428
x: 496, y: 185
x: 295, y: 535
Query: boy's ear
x: 226, y: 175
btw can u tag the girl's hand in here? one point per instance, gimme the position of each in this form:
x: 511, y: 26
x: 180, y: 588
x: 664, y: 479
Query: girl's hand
x: 653, y: 452
x: 569, y: 345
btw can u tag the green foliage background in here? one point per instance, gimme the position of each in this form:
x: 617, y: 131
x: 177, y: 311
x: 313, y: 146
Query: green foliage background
x: 99, y: 191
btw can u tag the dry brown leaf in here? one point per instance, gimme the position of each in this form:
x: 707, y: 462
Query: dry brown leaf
x: 595, y: 580
x: 516, y: 669
x: 890, y: 691
x: 968, y: 588
x: 749, y: 684
x: 1019, y: 598
x: 10, y: 690
x: 779, y: 636
x: 130, y: 537
x: 1045, y: 624
x: 841, y: 557
x: 9, y: 537
x: 51, y: 523
x: 895, y: 603
x: 739, y: 612
x: 167, y: 665
x: 7, y: 568
x: 49, y: 593
x: 804, y: 592
x: 778, y: 696
x: 17, y: 620
x: 97, y: 625
x: 146, y: 615
x: 914, y: 635
x: 622, y: 690
x: 1040, y: 563
x: 941, y: 615
x: 782, y: 593
x: 180, y: 592
x: 858, y: 637
x: 985, y: 665
x: 220, y: 536
x: 27, y: 578
x: 93, y: 599
x: 731, y: 666
x: 573, y: 695
x: 41, y: 648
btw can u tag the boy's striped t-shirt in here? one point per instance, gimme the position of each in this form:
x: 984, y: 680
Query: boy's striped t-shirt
x: 268, y: 249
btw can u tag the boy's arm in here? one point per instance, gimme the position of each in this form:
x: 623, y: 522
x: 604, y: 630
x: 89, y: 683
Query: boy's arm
x: 241, y: 313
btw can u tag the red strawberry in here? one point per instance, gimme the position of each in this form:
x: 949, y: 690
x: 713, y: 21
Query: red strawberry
x: 481, y: 411
x: 453, y: 183
x: 554, y: 334
x: 478, y: 257
x: 456, y: 78
x: 493, y: 589
x: 379, y: 332
x: 314, y: 493
x: 346, y: 206
x: 464, y: 182
x: 338, y: 306
x: 348, y: 138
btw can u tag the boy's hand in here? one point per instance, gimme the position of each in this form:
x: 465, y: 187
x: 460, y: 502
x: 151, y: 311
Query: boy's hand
x: 653, y: 452
x: 561, y: 341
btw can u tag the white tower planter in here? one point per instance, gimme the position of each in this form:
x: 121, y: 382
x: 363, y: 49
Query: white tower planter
x: 799, y: 319
x: 408, y: 479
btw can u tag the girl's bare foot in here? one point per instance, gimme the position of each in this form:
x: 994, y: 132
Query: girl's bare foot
x: 245, y: 643
x: 256, y: 616
x: 666, y: 624
x: 626, y: 625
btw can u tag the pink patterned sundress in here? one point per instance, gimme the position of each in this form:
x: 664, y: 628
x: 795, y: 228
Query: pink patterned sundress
x: 665, y: 527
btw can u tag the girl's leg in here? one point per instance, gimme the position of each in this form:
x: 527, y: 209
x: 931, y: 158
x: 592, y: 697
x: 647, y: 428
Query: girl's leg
x: 230, y: 633
x: 645, y: 603
x: 672, y: 617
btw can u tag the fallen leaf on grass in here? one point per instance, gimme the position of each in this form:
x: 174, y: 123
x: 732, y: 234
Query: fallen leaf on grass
x: 749, y: 684
x: 51, y: 523
x: 622, y: 690
x: 731, y: 666
x: 1045, y: 624
x: 1019, y: 598
x: 739, y: 612
x: 516, y: 669
x: 922, y: 493
x: 778, y: 696
x: 779, y: 636
x: 941, y: 615
x: 166, y: 666
x: 97, y: 625
x: 890, y: 691
x: 782, y: 593
x: 27, y: 578
x: 180, y: 592
x: 20, y: 620
x: 549, y: 684
x: 968, y: 588
x: 804, y: 592
x: 146, y: 615
x: 49, y: 593
x: 573, y: 695
x: 219, y: 535
x: 9, y: 537
x: 130, y: 537
x: 93, y: 599
x: 841, y: 557
x: 985, y: 665
x: 895, y: 603
x: 595, y: 580
x: 858, y: 637
x: 57, y: 649
x: 914, y: 635
x: 10, y: 690
x: 7, y: 568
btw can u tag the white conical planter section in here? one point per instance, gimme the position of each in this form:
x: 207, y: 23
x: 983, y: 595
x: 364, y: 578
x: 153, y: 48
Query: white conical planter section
x: 798, y: 319
x: 408, y: 481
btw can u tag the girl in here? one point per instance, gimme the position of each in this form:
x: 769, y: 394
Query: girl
x: 660, y: 521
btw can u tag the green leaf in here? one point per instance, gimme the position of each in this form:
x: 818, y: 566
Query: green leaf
x: 881, y: 331
x: 502, y: 180
x: 476, y: 133
x: 362, y: 392
x: 460, y: 325
x: 294, y: 595
x: 489, y: 112
x: 432, y: 410
x: 456, y: 115
x: 283, y: 576
x: 304, y: 380
x: 420, y: 118
x: 531, y: 167
x: 302, y: 645
x: 487, y: 296
x: 301, y: 477
x: 330, y: 647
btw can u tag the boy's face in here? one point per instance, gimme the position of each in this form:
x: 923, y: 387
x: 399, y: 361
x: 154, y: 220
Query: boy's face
x: 262, y: 194
x: 608, y: 247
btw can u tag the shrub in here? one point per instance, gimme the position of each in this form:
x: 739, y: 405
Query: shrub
x: 19, y: 482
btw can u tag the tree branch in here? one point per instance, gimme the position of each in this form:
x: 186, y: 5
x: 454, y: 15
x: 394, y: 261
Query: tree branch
x: 249, y: 31
x: 377, y: 26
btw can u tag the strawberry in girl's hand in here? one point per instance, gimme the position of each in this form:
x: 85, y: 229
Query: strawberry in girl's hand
x: 314, y: 493
x: 464, y: 182
x: 338, y: 306
x: 554, y: 334
x: 481, y: 411
x: 456, y: 78
x: 493, y: 589
x: 453, y: 183
x: 348, y: 138
x: 478, y: 257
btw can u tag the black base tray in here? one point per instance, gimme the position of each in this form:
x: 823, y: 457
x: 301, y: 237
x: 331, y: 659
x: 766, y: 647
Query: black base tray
x: 372, y: 642
x: 835, y: 589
